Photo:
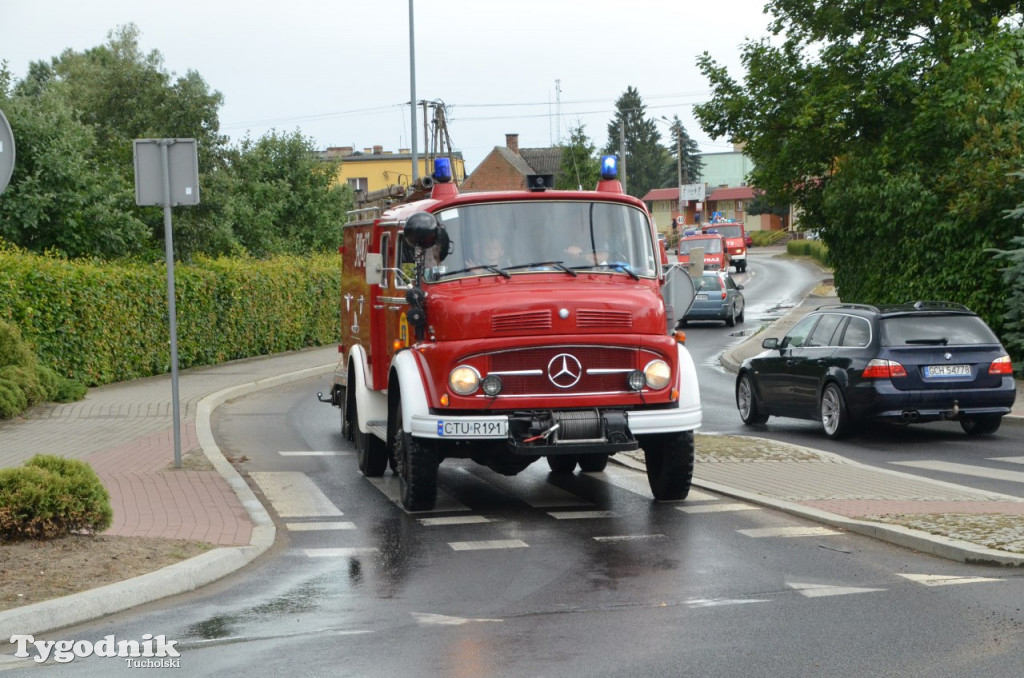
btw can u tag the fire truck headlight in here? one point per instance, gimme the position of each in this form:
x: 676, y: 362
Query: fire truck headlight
x: 491, y: 385
x: 635, y: 380
x: 657, y: 374
x: 464, y: 380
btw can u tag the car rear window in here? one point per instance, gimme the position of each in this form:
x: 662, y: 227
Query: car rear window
x: 935, y: 330
x: 707, y: 282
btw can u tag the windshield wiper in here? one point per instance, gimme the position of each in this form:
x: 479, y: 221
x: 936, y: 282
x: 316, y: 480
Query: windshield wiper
x: 493, y: 269
x: 620, y: 266
x: 557, y: 264
x: 939, y: 341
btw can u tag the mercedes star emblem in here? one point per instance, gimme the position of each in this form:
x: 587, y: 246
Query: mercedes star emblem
x: 564, y: 370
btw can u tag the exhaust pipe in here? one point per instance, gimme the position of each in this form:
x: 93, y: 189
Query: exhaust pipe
x: 909, y: 415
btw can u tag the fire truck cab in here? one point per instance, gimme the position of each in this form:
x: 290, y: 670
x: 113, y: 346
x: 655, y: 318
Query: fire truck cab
x: 504, y: 327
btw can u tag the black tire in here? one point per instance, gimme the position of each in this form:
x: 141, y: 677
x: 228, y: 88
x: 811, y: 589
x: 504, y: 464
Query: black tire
x: 835, y: 419
x: 669, y: 459
x: 417, y: 467
x: 371, y: 451
x: 562, y: 463
x: 739, y: 318
x: 981, y: 424
x: 746, y: 402
x: 593, y: 463
x: 730, y: 320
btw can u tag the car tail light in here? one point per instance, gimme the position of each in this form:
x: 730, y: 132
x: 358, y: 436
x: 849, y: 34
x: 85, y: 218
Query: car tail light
x: 883, y: 369
x: 1001, y: 366
x: 721, y: 284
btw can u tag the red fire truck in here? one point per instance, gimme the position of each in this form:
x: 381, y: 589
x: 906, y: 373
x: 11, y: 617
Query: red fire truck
x: 735, y: 241
x: 560, y: 345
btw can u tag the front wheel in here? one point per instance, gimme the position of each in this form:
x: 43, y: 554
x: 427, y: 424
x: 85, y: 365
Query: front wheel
x: 593, y: 463
x: 730, y: 320
x: 562, y: 463
x: 981, y: 424
x: 669, y: 459
x: 746, y: 402
x: 835, y: 419
x: 416, y: 462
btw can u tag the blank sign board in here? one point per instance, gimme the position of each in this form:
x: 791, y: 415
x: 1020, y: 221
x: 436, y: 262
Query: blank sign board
x: 182, y: 169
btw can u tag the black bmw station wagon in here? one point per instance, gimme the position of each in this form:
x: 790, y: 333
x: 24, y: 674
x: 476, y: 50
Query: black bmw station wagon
x: 908, y: 363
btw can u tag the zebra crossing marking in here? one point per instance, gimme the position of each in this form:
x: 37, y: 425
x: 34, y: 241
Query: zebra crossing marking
x: 945, y: 580
x: 341, y: 552
x: 313, y: 453
x: 294, y: 495
x: 717, y: 508
x: 487, y: 544
x: 453, y: 520
x: 310, y: 527
x: 825, y: 590
x: 581, y: 515
x: 801, y: 531
x: 388, y: 485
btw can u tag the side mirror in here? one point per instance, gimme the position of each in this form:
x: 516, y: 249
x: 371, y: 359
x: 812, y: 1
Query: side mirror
x: 421, y: 230
x: 770, y: 342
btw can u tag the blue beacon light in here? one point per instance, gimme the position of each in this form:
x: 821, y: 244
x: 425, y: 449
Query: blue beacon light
x: 442, y: 170
x: 609, y: 167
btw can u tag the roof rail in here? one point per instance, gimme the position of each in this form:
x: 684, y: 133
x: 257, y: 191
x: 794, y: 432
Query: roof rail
x: 863, y: 307
x: 921, y: 304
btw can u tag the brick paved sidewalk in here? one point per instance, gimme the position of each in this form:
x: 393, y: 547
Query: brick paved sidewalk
x: 125, y: 432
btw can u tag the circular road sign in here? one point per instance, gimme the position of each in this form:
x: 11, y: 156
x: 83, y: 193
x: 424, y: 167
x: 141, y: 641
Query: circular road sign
x: 6, y: 152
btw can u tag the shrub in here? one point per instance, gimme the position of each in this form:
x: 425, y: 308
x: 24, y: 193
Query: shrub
x: 27, y: 380
x: 12, y: 399
x: 50, y: 497
x: 13, y: 350
x: 49, y: 380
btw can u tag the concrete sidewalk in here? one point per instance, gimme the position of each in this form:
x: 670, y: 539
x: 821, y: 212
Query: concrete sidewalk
x: 124, y: 431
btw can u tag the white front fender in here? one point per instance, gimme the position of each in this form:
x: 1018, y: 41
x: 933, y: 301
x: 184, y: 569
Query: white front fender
x: 410, y: 382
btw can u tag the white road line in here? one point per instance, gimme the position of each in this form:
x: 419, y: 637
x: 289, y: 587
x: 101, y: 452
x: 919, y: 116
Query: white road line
x: 717, y: 508
x: 582, y: 515
x: 789, y: 532
x: 488, y: 544
x: 1010, y: 460
x: 630, y: 537
x: 294, y: 495
x: 965, y: 469
x: 313, y: 453
x: 530, y: 488
x: 445, y: 620
x: 945, y: 580
x: 453, y: 520
x: 388, y: 485
x: 310, y: 527
x: 341, y: 553
x: 824, y: 590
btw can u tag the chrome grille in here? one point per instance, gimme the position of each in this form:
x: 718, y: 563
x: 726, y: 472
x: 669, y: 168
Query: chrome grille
x: 603, y: 369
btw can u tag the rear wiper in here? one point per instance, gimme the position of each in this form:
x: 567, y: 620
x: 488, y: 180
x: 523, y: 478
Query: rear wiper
x: 557, y: 264
x: 940, y: 341
x: 493, y: 269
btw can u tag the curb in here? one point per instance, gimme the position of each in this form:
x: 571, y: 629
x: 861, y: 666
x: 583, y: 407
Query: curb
x: 918, y: 540
x: 182, y: 577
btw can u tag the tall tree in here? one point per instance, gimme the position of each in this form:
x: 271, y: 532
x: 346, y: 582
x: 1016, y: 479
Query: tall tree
x: 682, y: 144
x: 890, y: 124
x: 579, y: 168
x: 646, y: 158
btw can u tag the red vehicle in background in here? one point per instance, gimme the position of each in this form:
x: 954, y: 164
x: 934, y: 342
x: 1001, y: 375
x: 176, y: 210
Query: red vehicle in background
x: 735, y: 241
x: 716, y: 258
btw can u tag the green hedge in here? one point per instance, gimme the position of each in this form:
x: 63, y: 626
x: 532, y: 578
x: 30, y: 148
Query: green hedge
x: 809, y: 248
x: 99, y: 323
x: 50, y: 497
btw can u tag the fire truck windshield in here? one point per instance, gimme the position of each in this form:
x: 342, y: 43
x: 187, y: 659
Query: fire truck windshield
x: 511, y: 237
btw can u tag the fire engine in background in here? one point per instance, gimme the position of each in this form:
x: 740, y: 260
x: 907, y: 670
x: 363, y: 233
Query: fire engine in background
x: 716, y: 258
x: 735, y: 238
x: 508, y: 326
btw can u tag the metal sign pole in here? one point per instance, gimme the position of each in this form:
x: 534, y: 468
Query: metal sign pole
x: 171, y: 310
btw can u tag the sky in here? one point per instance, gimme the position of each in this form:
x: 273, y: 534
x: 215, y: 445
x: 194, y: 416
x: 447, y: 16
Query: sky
x: 339, y: 71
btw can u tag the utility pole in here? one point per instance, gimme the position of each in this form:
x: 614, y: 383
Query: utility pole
x: 412, y: 96
x: 622, y: 151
